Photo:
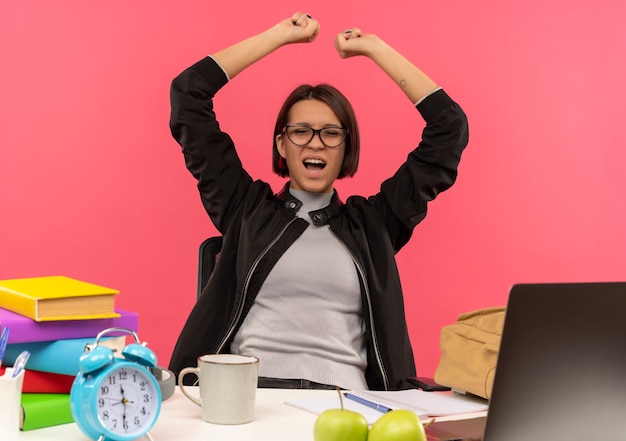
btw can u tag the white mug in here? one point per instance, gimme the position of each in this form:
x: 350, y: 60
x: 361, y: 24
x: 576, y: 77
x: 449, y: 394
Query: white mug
x: 228, y: 384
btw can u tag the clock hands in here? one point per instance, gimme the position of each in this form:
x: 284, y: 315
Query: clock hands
x: 104, y: 408
x: 124, y: 401
x: 127, y: 393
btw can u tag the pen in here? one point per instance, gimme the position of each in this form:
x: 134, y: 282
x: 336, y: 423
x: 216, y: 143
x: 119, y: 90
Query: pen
x: 20, y: 363
x: 363, y: 401
x: 4, y: 339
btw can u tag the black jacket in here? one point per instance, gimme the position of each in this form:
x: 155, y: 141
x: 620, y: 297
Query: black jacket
x: 258, y: 225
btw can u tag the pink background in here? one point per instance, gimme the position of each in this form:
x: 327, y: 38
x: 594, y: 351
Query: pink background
x: 93, y: 186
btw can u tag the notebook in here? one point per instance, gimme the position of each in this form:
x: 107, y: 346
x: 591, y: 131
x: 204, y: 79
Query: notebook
x: 561, y: 372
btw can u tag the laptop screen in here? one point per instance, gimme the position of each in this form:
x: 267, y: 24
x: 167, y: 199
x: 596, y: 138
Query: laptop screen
x: 561, y: 371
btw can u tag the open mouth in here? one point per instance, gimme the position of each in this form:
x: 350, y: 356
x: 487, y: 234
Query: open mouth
x: 314, y: 164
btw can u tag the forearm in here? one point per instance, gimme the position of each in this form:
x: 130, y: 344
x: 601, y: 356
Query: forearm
x: 414, y: 83
x: 239, y: 56
x: 299, y: 28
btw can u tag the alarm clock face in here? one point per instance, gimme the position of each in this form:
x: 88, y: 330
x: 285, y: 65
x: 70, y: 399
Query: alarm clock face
x: 127, y: 401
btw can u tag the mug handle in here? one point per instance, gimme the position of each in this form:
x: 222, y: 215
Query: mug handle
x: 181, y: 375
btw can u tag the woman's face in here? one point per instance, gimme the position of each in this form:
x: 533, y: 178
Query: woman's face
x: 313, y: 167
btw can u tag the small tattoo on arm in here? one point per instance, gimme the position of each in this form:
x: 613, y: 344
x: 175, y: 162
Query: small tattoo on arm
x: 402, y: 83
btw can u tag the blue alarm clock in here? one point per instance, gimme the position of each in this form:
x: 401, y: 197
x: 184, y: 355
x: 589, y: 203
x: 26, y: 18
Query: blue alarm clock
x: 116, y: 399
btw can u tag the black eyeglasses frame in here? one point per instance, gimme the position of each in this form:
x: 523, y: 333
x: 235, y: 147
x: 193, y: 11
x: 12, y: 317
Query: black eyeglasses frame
x: 317, y: 132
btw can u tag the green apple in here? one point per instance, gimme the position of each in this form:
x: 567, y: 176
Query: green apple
x: 340, y: 425
x: 397, y: 425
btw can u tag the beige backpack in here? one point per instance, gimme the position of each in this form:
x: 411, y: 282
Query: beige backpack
x: 469, y: 351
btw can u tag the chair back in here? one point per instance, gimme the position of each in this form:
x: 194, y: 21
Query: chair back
x: 208, y: 253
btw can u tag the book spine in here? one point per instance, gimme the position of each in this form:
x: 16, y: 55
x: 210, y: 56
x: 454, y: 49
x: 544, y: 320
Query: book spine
x: 59, y: 357
x: 26, y: 330
x: 18, y: 302
x: 47, y: 382
x: 45, y: 410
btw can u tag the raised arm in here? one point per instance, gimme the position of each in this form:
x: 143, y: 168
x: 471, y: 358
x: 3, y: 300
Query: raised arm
x: 414, y: 83
x: 210, y: 154
x: 300, y: 28
x: 431, y: 167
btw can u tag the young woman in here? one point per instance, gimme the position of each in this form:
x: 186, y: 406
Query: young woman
x: 305, y: 282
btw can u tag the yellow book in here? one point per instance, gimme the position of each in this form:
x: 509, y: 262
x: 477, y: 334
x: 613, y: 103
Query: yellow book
x: 57, y: 298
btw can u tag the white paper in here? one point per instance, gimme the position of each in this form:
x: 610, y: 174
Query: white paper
x: 425, y: 404
x: 319, y: 405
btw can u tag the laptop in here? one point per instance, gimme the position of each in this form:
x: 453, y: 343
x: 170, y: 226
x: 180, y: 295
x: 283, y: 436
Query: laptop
x: 561, y: 371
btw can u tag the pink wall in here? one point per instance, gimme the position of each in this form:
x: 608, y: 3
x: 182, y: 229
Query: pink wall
x: 93, y: 186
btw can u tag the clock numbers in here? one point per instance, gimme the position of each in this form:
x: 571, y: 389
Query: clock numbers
x: 127, y: 400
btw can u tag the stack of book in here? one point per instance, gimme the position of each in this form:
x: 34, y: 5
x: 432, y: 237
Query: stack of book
x: 54, y: 318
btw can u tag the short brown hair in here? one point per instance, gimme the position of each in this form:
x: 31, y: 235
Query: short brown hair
x: 344, y: 111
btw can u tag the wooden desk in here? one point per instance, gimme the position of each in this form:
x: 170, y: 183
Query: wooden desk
x: 180, y: 419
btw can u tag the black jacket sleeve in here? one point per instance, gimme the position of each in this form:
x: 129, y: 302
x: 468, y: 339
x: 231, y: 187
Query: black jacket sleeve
x: 209, y: 153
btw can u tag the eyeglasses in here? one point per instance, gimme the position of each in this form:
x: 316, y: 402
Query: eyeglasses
x: 331, y: 137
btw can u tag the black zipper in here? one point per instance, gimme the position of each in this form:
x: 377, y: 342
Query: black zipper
x: 368, y: 298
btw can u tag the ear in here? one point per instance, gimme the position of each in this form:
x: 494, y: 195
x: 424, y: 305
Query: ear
x: 280, y: 145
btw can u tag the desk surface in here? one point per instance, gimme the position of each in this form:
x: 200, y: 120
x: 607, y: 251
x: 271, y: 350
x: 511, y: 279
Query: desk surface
x: 180, y: 419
